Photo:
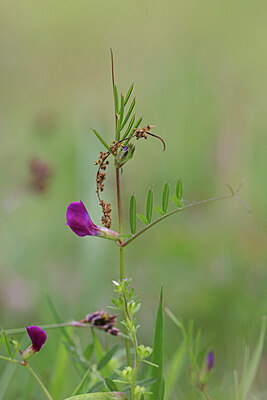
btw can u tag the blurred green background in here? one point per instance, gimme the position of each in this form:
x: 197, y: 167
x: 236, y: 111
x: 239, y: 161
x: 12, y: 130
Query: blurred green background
x: 199, y: 69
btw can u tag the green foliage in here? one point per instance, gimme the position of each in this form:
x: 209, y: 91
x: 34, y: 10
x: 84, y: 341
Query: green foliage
x: 157, y: 356
x: 100, y: 396
x: 250, y: 367
x: 99, y: 137
x: 149, y: 206
x: 132, y: 214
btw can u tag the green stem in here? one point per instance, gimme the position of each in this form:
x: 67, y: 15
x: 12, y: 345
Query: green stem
x: 12, y: 361
x: 36, y: 377
x: 174, y: 212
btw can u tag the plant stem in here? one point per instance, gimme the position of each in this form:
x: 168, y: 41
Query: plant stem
x: 127, y: 342
x: 198, y: 203
x: 36, y: 377
x: 12, y: 361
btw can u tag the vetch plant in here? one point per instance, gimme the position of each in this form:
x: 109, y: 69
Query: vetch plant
x: 137, y: 372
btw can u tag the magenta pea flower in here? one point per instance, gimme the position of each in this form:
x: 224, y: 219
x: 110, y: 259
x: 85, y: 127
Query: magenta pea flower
x: 38, y: 338
x: 80, y: 223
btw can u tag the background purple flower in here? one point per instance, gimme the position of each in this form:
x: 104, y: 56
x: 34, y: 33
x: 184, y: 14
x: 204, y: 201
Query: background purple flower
x: 210, y: 360
x: 37, y: 336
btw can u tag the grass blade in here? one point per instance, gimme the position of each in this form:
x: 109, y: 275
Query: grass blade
x: 128, y: 113
x: 132, y: 214
x: 110, y: 384
x: 149, y: 205
x: 128, y: 94
x: 99, y: 137
x: 157, y: 356
x: 174, y: 369
x: 165, y: 197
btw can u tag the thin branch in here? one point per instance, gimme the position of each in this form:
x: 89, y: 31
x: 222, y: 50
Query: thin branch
x: 234, y: 194
x: 174, y: 212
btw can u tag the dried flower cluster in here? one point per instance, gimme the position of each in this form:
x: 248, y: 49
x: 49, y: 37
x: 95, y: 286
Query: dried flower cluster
x: 102, y: 320
x: 102, y: 163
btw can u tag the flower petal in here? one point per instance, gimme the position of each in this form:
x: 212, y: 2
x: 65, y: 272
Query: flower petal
x: 79, y: 221
x: 37, y: 336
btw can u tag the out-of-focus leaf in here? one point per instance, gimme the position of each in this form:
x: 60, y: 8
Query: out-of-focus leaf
x: 157, y: 356
x: 5, y: 379
x: 88, y: 351
x: 128, y: 94
x: 128, y: 113
x: 132, y: 214
x: 142, y: 218
x: 116, y: 99
x: 6, y: 344
x: 149, y: 205
x: 60, y: 366
x: 160, y: 395
x: 165, y: 197
x: 99, y: 137
x: 107, y: 357
x: 85, y: 379
x: 179, y: 189
x: 110, y: 384
x: 100, y: 396
x: 106, y: 371
x: 174, y: 369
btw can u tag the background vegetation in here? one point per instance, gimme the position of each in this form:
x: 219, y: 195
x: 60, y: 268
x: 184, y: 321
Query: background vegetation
x: 199, y: 69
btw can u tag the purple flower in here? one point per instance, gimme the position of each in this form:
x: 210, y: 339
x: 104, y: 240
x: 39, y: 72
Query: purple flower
x: 37, y: 336
x: 210, y: 360
x: 80, y: 223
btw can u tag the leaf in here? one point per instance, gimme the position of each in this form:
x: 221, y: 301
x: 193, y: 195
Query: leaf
x: 6, y: 344
x: 149, y: 205
x: 179, y: 189
x: 100, y: 396
x: 133, y: 130
x: 129, y: 128
x: 99, y: 137
x: 80, y: 388
x: 122, y: 109
x: 174, y: 369
x: 142, y: 218
x: 88, y: 351
x: 110, y: 384
x: 116, y: 99
x: 107, y: 357
x: 6, y: 376
x: 160, y: 395
x: 165, y: 197
x: 157, y: 356
x: 176, y: 201
x: 128, y: 94
x: 132, y: 214
x: 128, y: 113
x: 159, y: 210
x: 118, y: 129
x: 107, y: 371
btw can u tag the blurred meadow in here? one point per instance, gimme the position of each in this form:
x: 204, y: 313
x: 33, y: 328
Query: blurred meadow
x: 199, y: 69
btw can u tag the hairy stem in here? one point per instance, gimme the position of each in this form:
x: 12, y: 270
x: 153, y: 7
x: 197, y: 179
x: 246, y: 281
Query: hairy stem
x: 127, y: 342
x: 36, y: 377
x: 199, y: 203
